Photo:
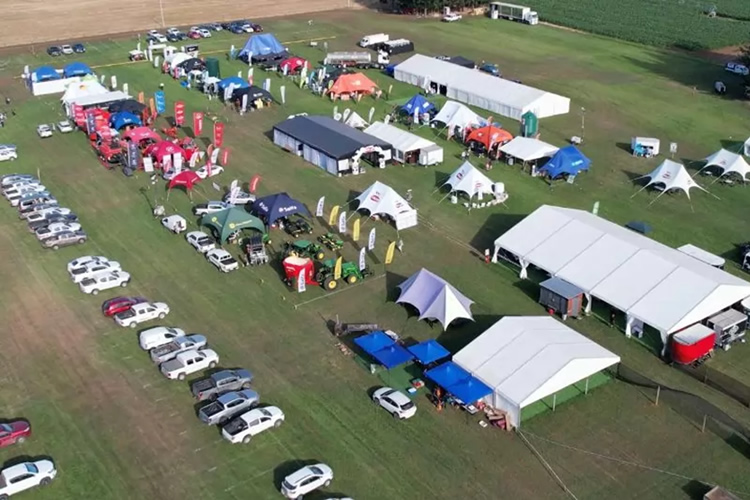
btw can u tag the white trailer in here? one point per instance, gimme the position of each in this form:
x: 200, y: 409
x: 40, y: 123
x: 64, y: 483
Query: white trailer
x: 359, y: 59
x: 373, y: 39
x: 520, y: 13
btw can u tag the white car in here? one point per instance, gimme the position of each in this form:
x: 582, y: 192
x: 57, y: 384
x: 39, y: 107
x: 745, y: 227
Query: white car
x: 247, y: 28
x: 241, y: 429
x: 47, y: 213
x: 164, y: 353
x: 172, y: 31
x: 18, y: 192
x: 737, y: 68
x: 175, y: 223
x: 239, y: 198
x: 156, y: 37
x: 45, y: 233
x: 66, y: 49
x: 91, y: 268
x: 187, y: 363
x: 20, y: 183
x: 200, y: 241
x: 451, y: 17
x: 210, y: 207
x: 394, y: 402
x: 104, y: 281
x: 140, y: 313
x: 80, y: 261
x: 44, y: 131
x: 203, y: 32
x: 222, y: 260
x: 158, y: 336
x: 64, y: 126
x: 29, y: 198
x: 8, y: 154
x: 9, y: 179
x: 305, y: 480
x: 215, y: 170
x: 24, y: 476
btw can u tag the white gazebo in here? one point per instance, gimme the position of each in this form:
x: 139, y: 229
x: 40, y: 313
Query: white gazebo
x: 468, y: 179
x: 381, y: 199
x: 355, y: 121
x: 434, y: 298
x: 668, y: 176
x: 728, y: 163
x: 455, y: 115
x: 528, y: 149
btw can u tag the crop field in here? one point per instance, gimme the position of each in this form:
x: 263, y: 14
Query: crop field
x: 662, y: 23
x: 118, y: 430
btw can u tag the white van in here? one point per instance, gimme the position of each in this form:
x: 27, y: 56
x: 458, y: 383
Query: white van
x: 373, y: 39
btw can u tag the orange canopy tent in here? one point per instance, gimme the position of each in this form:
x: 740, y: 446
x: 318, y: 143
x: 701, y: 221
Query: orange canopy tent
x: 355, y: 83
x: 489, y: 136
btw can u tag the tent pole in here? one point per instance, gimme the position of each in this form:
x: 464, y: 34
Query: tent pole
x: 644, y: 187
x: 586, y: 391
x: 554, y: 401
x: 660, y: 195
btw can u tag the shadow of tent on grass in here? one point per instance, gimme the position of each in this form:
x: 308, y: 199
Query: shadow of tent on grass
x: 440, y: 179
x: 459, y: 335
x: 696, y: 490
x: 625, y: 146
x: 494, y: 226
x: 392, y: 280
x: 733, y: 145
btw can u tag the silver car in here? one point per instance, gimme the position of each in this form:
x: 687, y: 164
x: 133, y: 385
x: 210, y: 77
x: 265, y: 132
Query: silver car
x: 64, y: 240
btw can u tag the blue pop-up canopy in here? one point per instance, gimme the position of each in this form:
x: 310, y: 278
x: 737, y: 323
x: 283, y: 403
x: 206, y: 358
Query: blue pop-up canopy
x: 76, y: 69
x: 45, y: 73
x: 384, y: 349
x: 276, y: 206
x: 567, y: 160
x: 123, y: 119
x: 233, y: 80
x: 262, y: 46
x: 470, y: 390
x: 458, y: 382
x: 420, y: 103
x: 429, y: 351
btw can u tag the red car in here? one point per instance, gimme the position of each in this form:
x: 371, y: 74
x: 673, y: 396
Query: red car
x: 120, y: 304
x: 194, y: 35
x: 14, y: 433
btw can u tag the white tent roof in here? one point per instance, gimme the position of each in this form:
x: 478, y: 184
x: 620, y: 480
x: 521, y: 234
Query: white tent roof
x: 356, y: 121
x: 479, y: 89
x: 728, y: 162
x: 468, y: 179
x: 401, y: 140
x: 455, y: 114
x: 527, y: 358
x: 382, y: 199
x: 528, y: 149
x: 673, y: 176
x: 177, y: 58
x: 650, y: 281
x: 434, y: 298
x: 92, y: 100
x: 81, y: 89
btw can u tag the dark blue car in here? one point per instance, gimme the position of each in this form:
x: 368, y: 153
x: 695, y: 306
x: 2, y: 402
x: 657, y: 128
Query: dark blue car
x: 79, y: 48
x: 54, y: 51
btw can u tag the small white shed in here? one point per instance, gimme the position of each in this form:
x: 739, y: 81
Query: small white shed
x: 649, y: 143
x: 407, y: 147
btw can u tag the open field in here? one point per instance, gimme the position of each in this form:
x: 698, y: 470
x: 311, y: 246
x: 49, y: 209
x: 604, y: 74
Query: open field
x: 118, y: 430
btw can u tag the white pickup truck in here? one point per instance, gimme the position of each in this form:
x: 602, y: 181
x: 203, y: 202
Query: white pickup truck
x: 140, y: 313
x: 189, y: 362
x: 170, y: 351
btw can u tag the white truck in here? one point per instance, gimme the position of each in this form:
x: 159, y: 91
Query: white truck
x: 512, y: 12
x: 373, y: 39
x: 356, y: 59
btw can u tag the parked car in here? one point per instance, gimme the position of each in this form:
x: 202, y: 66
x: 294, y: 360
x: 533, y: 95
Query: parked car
x: 66, y: 49
x: 305, y: 480
x: 14, y: 194
x: 194, y: 35
x: 172, y: 31
x: 204, y: 33
x: 30, y: 210
x: 490, y: 68
x: 215, y: 26
x: 227, y: 406
x: 223, y: 260
x: 237, y: 29
x: 137, y: 55
x: 79, y: 48
x: 158, y: 336
x: 64, y: 126
x: 104, y: 281
x: 8, y: 179
x: 737, y: 68
x: 240, y: 198
x: 44, y: 233
x: 451, y: 17
x: 176, y: 36
x: 395, y: 402
x: 65, y: 240
x: 44, y: 130
x: 120, y: 304
x: 35, y: 202
x: 221, y: 382
x: 156, y: 37
x: 187, y: 363
x: 140, y: 313
x: 20, y: 183
x: 80, y: 261
x: 175, y: 223
x: 241, y: 429
x: 91, y: 268
x: 8, y: 154
x: 15, y: 432
x: 210, y: 207
x: 52, y: 219
x: 200, y: 241
x: 215, y: 170
x: 41, y: 215
x: 54, y: 51
x: 30, y: 198
x: 24, y: 476
x: 169, y: 351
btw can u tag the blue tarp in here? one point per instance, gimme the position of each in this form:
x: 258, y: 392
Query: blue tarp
x: 44, y: 73
x: 123, y: 119
x: 457, y: 381
x: 262, y: 46
x: 470, y: 390
x: 233, y: 80
x: 373, y: 341
x: 567, y: 160
x: 276, y: 206
x: 418, y: 102
x: 384, y: 349
x: 429, y: 351
x: 76, y: 69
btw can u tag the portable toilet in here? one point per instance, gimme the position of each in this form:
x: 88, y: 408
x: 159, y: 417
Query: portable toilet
x: 559, y: 296
x: 529, y: 124
x: 212, y: 66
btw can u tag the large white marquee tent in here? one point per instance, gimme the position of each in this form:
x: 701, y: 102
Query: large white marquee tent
x: 650, y: 282
x: 527, y: 358
x: 479, y: 89
x: 381, y: 199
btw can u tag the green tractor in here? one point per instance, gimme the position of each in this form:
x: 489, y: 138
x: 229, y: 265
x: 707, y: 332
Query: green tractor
x: 349, y: 272
x: 304, y: 248
x: 331, y: 241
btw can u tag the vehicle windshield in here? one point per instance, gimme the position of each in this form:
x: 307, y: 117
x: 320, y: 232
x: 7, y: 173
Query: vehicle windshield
x: 407, y: 406
x: 127, y: 314
x: 5, y: 428
x: 204, y: 240
x: 316, y: 471
x: 287, y: 486
x: 32, y: 468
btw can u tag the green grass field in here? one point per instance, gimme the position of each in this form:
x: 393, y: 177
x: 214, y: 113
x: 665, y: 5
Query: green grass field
x: 118, y: 430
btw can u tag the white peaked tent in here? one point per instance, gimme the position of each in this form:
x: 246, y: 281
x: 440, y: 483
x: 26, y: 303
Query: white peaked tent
x: 729, y: 163
x: 468, y: 179
x: 356, y: 121
x: 85, y: 88
x: 671, y: 175
x: 434, y: 298
x: 381, y: 199
x: 176, y: 58
x: 746, y: 147
x: 455, y: 115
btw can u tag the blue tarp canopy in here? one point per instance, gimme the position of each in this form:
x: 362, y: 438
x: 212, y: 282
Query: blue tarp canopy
x: 276, y: 206
x: 44, y: 73
x: 429, y: 351
x: 458, y: 382
x: 233, y: 80
x: 384, y: 349
x: 123, y: 119
x: 76, y: 69
x: 262, y: 46
x: 567, y: 160
x: 418, y: 102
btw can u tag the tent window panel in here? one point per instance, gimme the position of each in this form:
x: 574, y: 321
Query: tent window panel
x: 399, y: 155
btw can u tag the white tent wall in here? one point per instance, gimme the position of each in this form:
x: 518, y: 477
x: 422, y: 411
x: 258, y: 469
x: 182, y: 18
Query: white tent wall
x: 403, y: 142
x: 574, y: 372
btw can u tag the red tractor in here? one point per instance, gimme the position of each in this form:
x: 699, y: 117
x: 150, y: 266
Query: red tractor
x: 109, y: 150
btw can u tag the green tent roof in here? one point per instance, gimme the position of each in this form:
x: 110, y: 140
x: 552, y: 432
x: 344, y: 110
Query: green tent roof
x: 230, y: 220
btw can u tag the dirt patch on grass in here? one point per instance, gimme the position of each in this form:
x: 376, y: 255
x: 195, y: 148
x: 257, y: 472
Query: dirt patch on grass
x: 722, y: 55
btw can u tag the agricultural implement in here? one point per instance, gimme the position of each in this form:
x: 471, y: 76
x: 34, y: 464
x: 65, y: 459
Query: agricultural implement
x: 331, y: 241
x: 304, y: 248
x: 297, y: 226
x: 349, y: 273
x: 255, y: 251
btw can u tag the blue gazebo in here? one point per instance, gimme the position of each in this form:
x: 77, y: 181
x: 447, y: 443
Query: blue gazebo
x: 458, y: 382
x: 76, y: 69
x: 384, y: 349
x: 419, y: 103
x: 568, y: 160
x: 429, y: 351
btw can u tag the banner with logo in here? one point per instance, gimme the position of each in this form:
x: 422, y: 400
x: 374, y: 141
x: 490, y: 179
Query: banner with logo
x: 334, y: 214
x: 141, y: 98
x: 134, y: 155
x: 253, y: 185
x: 179, y: 113
x: 342, y: 222
x: 371, y: 240
x: 90, y: 122
x: 215, y: 156
x: 362, y: 259
x: 244, y: 103
x: 337, y: 268
x: 224, y: 159
x: 161, y: 102
x: 197, y: 123
x: 301, y: 281
x: 78, y: 115
x: 152, y: 106
x: 218, y: 134
x: 194, y: 158
x: 389, y: 253
x: 283, y: 92
x: 320, y: 207
x: 148, y: 164
x: 355, y: 231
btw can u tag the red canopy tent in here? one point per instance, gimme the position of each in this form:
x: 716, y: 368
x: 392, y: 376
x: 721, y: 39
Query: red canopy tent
x: 353, y: 83
x: 139, y: 134
x: 162, y: 149
x: 294, y: 64
x: 489, y: 136
x: 186, y: 178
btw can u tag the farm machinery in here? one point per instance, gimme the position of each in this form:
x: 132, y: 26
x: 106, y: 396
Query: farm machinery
x: 296, y: 266
x: 297, y: 226
x: 349, y: 272
x: 331, y: 241
x: 304, y: 248
x: 255, y: 251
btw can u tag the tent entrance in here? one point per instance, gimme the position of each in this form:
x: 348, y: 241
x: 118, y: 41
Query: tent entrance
x: 580, y: 388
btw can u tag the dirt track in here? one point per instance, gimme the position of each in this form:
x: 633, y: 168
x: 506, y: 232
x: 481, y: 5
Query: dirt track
x: 71, y: 19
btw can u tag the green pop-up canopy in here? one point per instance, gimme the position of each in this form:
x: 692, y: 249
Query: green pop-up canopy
x: 230, y: 220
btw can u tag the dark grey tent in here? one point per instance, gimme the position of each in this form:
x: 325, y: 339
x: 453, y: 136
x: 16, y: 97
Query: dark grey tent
x: 192, y: 64
x: 462, y: 61
x: 252, y: 93
x: 129, y: 105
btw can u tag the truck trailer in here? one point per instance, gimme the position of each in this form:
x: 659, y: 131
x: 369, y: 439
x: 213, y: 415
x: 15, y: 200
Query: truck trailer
x: 356, y: 59
x: 512, y: 12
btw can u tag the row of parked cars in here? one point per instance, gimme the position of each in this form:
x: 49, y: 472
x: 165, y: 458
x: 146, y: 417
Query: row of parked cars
x: 65, y: 50
x: 54, y: 226
x: 203, y: 31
